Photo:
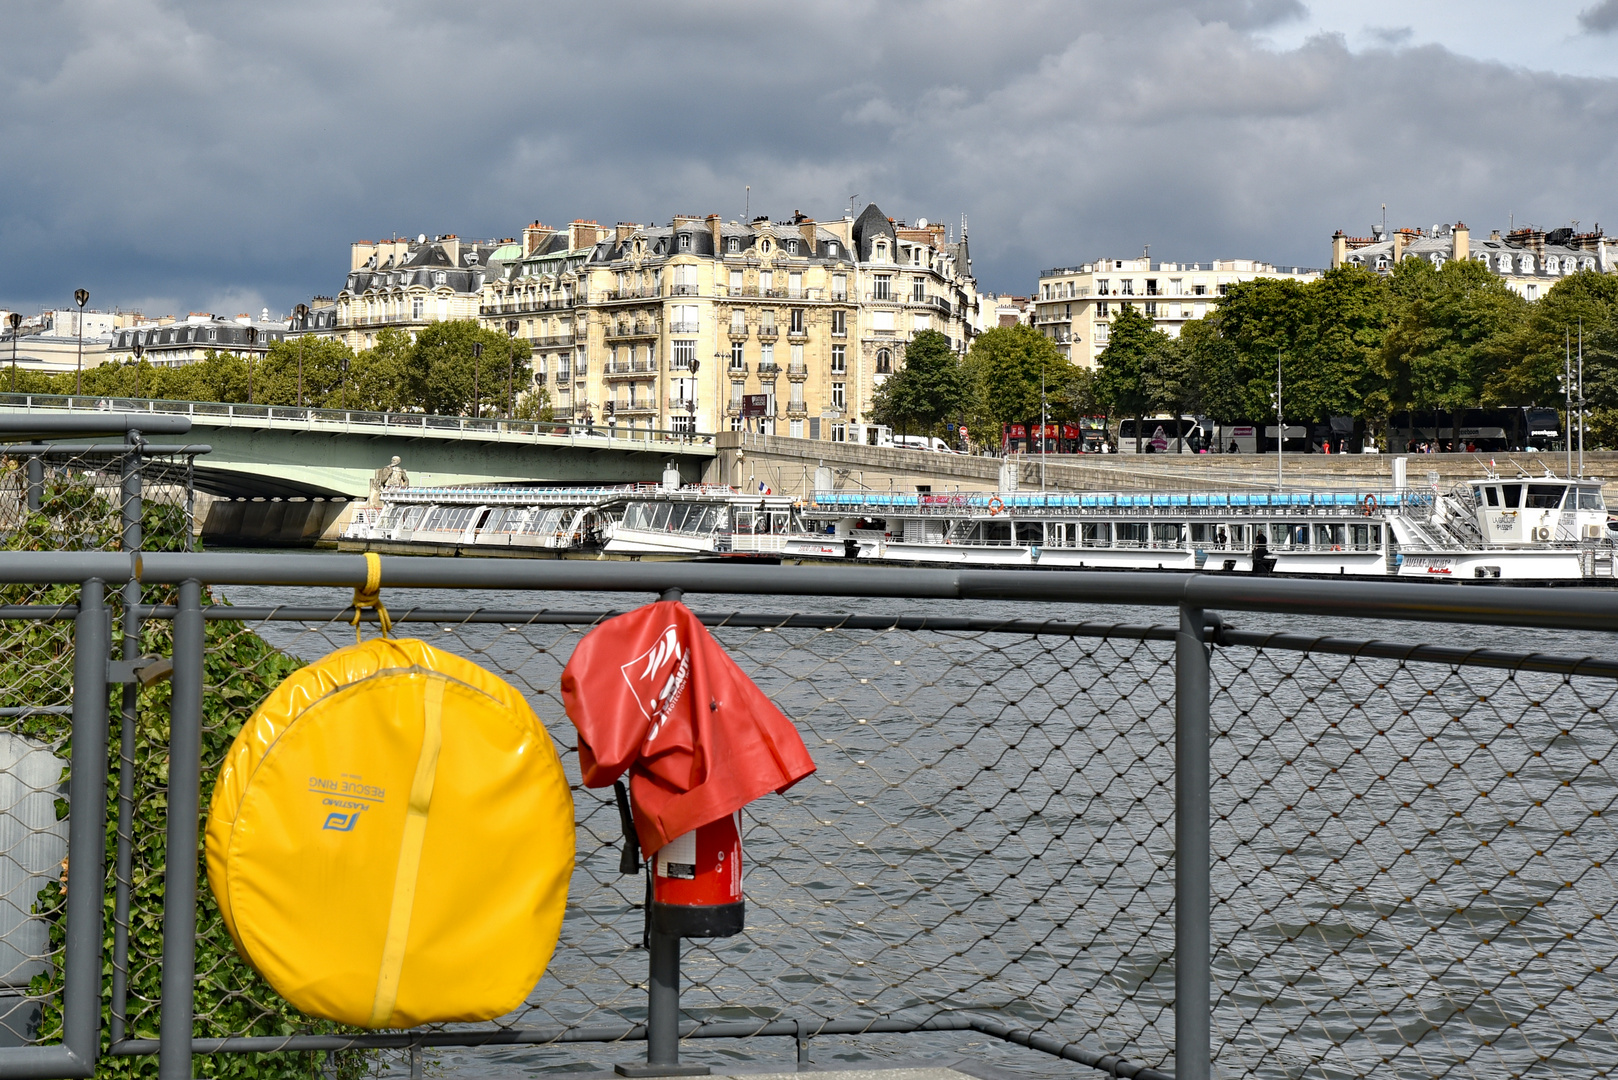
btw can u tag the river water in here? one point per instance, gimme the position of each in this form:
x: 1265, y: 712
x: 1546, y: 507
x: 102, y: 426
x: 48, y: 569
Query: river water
x: 1409, y: 860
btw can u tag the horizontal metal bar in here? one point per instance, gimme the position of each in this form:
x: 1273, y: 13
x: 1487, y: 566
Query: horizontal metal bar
x: 35, y: 710
x: 145, y: 449
x: 1435, y: 654
x: 108, y: 423
x: 39, y: 612
x: 55, y: 1062
x: 1582, y: 609
x: 948, y: 1021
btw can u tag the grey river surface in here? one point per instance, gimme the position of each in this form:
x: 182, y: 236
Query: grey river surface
x: 1409, y: 865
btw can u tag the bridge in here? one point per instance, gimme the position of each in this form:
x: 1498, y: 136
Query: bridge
x: 283, y: 452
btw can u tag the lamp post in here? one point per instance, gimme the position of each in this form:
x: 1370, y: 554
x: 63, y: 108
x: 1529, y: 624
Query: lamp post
x: 691, y: 400
x: 14, y: 320
x: 300, y: 319
x: 511, y: 367
x: 477, y: 362
x: 80, y: 297
x: 140, y: 350
x: 252, y: 339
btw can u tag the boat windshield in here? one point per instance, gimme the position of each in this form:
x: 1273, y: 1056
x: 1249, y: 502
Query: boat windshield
x: 1545, y: 496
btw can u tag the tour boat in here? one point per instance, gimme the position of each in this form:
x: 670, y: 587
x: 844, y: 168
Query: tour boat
x: 1528, y: 529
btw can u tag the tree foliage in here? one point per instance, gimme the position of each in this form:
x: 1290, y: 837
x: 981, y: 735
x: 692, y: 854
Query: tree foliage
x: 930, y: 389
x: 1011, y: 370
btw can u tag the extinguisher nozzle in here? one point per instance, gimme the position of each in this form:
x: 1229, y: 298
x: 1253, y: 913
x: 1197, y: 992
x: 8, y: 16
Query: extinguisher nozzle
x: 629, y: 861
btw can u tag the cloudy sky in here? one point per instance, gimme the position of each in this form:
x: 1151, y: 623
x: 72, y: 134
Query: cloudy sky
x: 220, y: 155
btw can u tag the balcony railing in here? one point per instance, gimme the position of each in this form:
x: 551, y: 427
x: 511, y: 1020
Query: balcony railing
x: 632, y: 330
x: 797, y: 371
x: 684, y: 290
x: 768, y: 333
x: 553, y: 341
x: 768, y: 369
x: 737, y: 330
x: 684, y: 327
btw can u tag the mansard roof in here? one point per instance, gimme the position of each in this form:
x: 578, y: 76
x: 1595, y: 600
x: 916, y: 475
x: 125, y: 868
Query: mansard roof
x: 868, y: 227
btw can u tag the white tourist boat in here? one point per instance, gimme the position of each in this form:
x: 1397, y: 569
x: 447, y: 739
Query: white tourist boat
x: 1530, y: 529
x: 666, y: 520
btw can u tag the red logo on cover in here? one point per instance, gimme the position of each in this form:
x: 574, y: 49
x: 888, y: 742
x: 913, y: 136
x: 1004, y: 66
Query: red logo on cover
x: 657, y: 677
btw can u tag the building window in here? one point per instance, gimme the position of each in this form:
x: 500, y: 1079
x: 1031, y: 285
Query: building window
x: 880, y: 252
x: 839, y: 323
x: 738, y: 322
x: 831, y: 249
x: 882, y: 287
x: 1224, y: 290
x: 915, y: 256
x: 839, y: 359
x: 881, y: 321
x: 1103, y: 287
x: 735, y: 283
x: 1101, y: 309
x: 796, y: 427
x: 685, y: 241
x: 685, y: 424
x: 1151, y: 308
x: 733, y: 245
x: 839, y: 396
x: 839, y: 286
x: 736, y: 388
x: 797, y: 357
x: 884, y: 362
x: 766, y: 355
x: 1199, y: 290
x: 415, y: 308
x: 1151, y: 286
x: 1126, y: 287
x: 795, y: 285
x: 918, y: 290
x: 440, y: 278
x: 837, y: 433
x: 736, y: 355
x: 792, y: 247
x: 684, y: 353
x: 796, y: 325
x: 766, y: 282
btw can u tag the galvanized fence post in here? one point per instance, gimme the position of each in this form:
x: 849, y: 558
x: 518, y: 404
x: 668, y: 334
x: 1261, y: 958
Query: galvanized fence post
x: 1192, y: 899
x: 124, y: 875
x: 180, y: 880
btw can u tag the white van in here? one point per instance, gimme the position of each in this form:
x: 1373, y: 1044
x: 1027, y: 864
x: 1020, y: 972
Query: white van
x: 1176, y: 435
x: 921, y: 442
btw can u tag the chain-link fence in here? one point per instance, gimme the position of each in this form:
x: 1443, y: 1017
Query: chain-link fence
x: 1406, y: 851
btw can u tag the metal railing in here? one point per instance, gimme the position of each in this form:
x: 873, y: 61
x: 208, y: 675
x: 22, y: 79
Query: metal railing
x: 1225, y: 842
x: 333, y: 420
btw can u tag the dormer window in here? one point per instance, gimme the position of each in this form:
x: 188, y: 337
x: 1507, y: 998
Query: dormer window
x: 831, y: 249
x: 472, y: 257
x: 733, y: 245
x: 880, y: 251
x: 915, y: 256
x: 440, y: 278
x: 685, y: 241
x: 792, y: 247
x: 764, y: 247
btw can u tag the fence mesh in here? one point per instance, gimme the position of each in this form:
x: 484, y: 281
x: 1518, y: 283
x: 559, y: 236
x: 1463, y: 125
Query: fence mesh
x: 1409, y: 858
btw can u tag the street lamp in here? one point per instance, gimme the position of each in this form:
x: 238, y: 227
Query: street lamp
x: 14, y: 320
x: 80, y: 297
x: 140, y: 350
x: 252, y: 339
x: 477, y: 362
x: 300, y: 319
x: 511, y: 367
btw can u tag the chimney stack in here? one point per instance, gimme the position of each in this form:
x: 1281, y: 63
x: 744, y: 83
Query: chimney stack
x: 625, y: 230
x: 1460, y: 242
x: 1339, y: 248
x: 806, y: 226
x: 581, y: 234
x: 1398, y: 245
x: 535, y: 236
x: 452, y: 248
x: 713, y: 227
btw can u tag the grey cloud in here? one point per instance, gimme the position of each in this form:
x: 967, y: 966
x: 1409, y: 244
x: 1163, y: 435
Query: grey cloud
x: 218, y: 150
x: 1600, y: 18
x: 1389, y: 36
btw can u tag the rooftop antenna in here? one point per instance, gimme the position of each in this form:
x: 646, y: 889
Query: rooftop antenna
x: 1146, y: 252
x: 1384, y: 219
x: 747, y: 204
x: 852, y: 199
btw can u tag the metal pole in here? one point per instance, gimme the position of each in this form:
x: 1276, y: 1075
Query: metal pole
x: 180, y: 884
x: 36, y: 482
x: 1280, y: 427
x: 1192, y: 898
x: 1567, y: 397
x: 87, y: 828
x: 1581, y: 397
x: 131, y: 541
x: 663, y: 1000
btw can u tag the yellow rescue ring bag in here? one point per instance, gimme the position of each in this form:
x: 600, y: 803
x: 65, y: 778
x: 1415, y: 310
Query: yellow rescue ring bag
x: 391, y: 839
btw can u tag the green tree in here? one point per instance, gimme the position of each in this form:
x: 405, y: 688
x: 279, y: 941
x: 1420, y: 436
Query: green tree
x: 1122, y: 380
x: 1530, y: 363
x: 323, y: 363
x: 929, y: 389
x: 380, y: 378
x: 1006, y: 366
x: 443, y: 374
x: 1447, y: 329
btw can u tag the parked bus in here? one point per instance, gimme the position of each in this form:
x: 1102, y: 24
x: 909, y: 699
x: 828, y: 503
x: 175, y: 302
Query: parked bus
x: 1486, y: 430
x: 1084, y: 436
x: 1165, y: 435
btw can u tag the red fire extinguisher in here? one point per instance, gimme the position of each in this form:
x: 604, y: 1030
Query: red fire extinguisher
x: 697, y: 882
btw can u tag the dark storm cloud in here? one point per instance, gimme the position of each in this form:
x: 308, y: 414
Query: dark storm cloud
x: 1601, y: 18
x: 224, y: 154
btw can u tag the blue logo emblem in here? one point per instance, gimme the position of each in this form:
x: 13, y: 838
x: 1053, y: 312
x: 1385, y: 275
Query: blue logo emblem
x: 342, y: 822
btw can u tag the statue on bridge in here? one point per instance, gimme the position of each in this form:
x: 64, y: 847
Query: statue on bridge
x: 391, y: 475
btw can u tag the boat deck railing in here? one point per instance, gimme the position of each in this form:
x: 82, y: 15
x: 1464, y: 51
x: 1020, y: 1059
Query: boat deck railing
x: 910, y: 504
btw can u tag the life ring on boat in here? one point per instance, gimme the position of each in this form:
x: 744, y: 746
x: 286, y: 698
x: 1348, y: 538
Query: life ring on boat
x: 996, y: 505
x: 1368, y: 505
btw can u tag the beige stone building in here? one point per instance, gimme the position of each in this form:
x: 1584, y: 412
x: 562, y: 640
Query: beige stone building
x: 407, y: 284
x: 1529, y: 261
x: 670, y: 328
x: 1075, y: 304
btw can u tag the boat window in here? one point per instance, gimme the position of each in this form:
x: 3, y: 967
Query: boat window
x: 1261, y: 534
x: 1166, y: 534
x: 1237, y: 534
x: 411, y: 516
x: 496, y: 520
x: 1030, y: 532
x: 1132, y: 533
x: 1491, y: 495
x: 1331, y: 537
x: 997, y: 532
x: 659, y: 516
x: 709, y: 520
x: 1512, y: 494
x: 1545, y: 496
x: 1590, y: 499
x: 1360, y: 536
x: 1096, y: 533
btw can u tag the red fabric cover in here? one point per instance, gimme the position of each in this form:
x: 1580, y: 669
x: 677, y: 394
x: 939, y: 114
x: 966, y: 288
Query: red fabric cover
x: 653, y: 693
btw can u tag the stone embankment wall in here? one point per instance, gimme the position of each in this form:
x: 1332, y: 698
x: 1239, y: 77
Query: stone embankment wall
x: 269, y: 522
x: 788, y: 466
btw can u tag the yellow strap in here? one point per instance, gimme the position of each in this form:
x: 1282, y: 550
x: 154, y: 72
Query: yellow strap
x: 371, y: 596
x: 404, y: 879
